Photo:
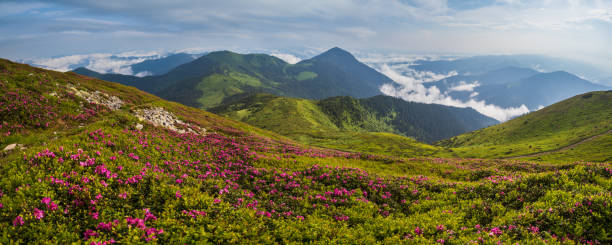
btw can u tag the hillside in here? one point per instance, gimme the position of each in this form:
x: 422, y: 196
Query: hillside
x: 550, y: 128
x: 207, y: 81
x: 88, y: 161
x: 310, y: 121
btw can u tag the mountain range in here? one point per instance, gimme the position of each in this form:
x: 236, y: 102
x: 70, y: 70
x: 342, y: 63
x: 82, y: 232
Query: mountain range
x: 487, y: 63
x: 209, y: 80
x: 514, y: 86
x: 219, y: 77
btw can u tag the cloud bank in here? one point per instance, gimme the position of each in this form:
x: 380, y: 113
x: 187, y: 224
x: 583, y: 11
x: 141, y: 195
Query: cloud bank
x: 99, y: 62
x: 463, y: 86
x: 409, y: 86
x: 289, y: 58
x: 118, y: 63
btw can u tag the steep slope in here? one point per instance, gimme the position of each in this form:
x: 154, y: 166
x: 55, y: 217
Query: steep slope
x: 218, y: 75
x: 548, y: 129
x: 425, y: 122
x: 335, y: 72
x: 209, y: 80
x: 302, y: 119
x: 93, y: 162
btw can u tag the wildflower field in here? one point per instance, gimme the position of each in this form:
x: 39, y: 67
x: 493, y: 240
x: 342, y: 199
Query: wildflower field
x: 83, y: 172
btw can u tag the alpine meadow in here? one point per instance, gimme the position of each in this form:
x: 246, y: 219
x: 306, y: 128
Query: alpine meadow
x: 318, y: 122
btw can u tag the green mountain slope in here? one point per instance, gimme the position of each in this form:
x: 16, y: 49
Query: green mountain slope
x: 379, y: 124
x: 209, y: 80
x: 84, y: 161
x: 551, y: 128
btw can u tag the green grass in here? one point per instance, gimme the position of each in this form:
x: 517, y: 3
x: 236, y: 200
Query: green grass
x: 216, y: 87
x: 597, y: 150
x: 372, y: 142
x: 306, y: 75
x: 550, y: 128
x: 249, y: 185
x: 304, y: 121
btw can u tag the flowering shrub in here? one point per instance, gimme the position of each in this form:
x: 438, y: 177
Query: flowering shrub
x: 106, y: 182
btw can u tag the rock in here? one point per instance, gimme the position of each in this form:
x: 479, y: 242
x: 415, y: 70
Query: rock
x: 158, y: 116
x: 97, y: 97
x: 139, y: 126
x: 10, y: 147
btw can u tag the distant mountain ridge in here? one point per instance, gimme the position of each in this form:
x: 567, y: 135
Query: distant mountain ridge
x: 223, y: 76
x: 208, y: 80
x: 162, y: 65
x: 300, y: 117
x: 487, y: 63
x: 515, y: 86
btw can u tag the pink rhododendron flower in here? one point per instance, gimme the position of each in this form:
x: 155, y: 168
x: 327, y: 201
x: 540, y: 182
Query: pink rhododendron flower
x: 418, y: 231
x: 18, y: 221
x: 39, y: 214
x: 46, y: 200
x: 495, y: 231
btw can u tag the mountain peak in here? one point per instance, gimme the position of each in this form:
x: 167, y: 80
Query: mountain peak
x: 335, y: 53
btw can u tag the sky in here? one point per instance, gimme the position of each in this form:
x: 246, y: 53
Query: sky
x: 565, y: 28
x: 109, y: 35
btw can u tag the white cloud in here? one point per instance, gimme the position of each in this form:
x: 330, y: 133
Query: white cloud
x: 421, y: 76
x: 411, y: 88
x: 463, y: 86
x: 289, y: 58
x: 143, y: 74
x: 100, y: 62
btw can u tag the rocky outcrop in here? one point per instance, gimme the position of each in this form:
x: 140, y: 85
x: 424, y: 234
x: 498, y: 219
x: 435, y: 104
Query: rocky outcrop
x: 13, y: 147
x: 158, y: 116
x: 97, y: 97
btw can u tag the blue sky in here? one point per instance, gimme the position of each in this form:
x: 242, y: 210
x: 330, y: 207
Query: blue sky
x: 567, y: 28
